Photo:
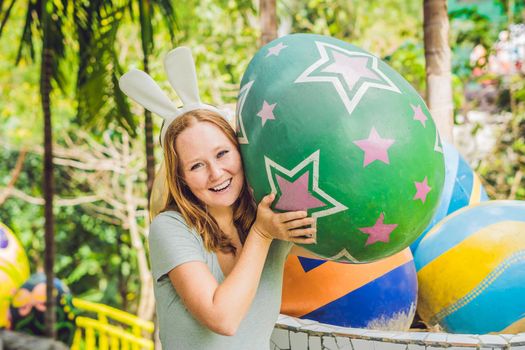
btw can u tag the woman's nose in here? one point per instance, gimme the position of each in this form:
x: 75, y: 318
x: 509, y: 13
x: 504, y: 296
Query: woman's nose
x: 215, y: 171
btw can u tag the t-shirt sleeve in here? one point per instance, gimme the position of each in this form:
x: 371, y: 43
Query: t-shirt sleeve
x: 171, y: 244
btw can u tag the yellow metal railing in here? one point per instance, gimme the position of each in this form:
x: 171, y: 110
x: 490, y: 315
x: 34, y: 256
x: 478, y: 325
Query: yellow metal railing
x: 112, y: 329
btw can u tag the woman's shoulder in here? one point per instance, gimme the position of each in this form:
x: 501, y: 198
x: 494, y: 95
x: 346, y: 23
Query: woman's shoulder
x: 169, y: 216
x: 169, y: 221
x: 171, y: 243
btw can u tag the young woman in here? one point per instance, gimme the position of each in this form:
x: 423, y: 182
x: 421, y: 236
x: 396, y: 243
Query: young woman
x: 217, y: 258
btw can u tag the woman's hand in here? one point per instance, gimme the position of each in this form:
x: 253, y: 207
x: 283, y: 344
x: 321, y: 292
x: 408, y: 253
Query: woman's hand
x: 293, y: 226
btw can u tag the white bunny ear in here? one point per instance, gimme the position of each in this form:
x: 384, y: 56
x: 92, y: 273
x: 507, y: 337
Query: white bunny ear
x: 180, y: 69
x: 142, y: 88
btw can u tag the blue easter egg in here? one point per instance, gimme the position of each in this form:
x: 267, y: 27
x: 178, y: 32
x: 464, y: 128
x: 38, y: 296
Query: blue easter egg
x: 462, y: 188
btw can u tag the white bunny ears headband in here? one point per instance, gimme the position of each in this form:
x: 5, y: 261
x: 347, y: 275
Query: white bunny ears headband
x: 180, y: 69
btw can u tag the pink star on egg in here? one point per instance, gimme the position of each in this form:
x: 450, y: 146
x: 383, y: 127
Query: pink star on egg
x: 422, y: 190
x: 295, y: 195
x: 419, y: 115
x: 276, y: 50
x: 380, y: 232
x: 352, y: 69
x: 266, y: 112
x: 375, y: 148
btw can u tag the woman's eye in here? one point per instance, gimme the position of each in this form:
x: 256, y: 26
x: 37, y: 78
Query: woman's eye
x: 222, y: 153
x: 196, y: 166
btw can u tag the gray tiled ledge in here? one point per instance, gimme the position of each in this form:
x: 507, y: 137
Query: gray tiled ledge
x: 295, y: 334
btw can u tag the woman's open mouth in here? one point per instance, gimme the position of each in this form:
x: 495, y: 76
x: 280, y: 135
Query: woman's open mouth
x: 221, y: 187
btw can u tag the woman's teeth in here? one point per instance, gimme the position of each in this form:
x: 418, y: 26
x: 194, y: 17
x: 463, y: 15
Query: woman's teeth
x: 222, y: 186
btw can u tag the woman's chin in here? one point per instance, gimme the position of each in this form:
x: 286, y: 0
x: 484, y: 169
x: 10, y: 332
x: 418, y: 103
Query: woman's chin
x: 226, y: 200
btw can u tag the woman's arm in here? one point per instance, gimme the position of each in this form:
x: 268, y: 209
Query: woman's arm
x: 221, y: 307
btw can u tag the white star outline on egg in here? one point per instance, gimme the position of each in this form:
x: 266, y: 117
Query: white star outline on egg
x: 349, y: 103
x: 313, y: 159
x: 243, y: 93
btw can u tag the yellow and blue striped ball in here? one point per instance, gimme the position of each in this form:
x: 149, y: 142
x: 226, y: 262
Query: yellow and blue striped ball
x: 462, y: 188
x: 471, y: 270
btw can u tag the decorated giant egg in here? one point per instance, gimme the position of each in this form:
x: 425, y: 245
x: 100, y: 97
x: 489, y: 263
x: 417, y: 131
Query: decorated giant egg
x: 378, y: 295
x: 28, y: 308
x: 462, y: 188
x: 471, y: 270
x: 14, y: 270
x: 333, y: 130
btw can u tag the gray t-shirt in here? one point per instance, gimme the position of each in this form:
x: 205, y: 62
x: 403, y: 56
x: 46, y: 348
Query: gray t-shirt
x: 173, y: 243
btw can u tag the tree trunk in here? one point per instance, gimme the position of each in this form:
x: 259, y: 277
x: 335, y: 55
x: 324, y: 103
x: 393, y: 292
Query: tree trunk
x: 267, y: 10
x: 150, y: 156
x: 146, y: 309
x: 122, y: 281
x: 48, y: 186
x: 438, y: 71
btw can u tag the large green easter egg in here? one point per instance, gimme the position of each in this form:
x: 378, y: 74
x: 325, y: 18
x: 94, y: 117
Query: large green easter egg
x: 333, y: 130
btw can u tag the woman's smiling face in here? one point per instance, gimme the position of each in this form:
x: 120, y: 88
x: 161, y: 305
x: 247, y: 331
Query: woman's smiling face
x: 211, y: 165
